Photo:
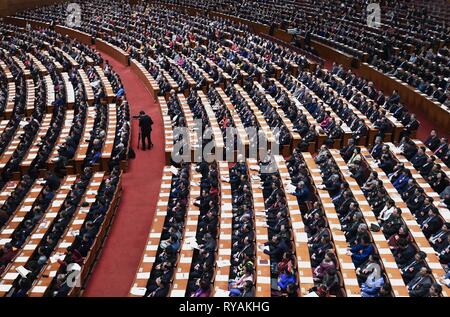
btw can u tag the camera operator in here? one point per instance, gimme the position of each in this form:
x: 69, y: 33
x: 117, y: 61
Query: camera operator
x: 145, y: 124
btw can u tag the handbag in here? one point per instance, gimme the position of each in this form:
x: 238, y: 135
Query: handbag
x: 374, y: 227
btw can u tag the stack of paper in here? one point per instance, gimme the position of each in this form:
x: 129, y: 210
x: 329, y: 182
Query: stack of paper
x: 223, y: 263
x: 191, y: 243
x: 290, y: 188
x: 312, y: 294
x: 22, y: 271
x: 57, y: 256
x: 225, y: 179
x: 222, y: 293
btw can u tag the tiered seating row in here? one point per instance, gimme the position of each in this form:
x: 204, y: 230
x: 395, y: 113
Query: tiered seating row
x: 408, y: 217
x: 52, y: 266
x: 346, y: 264
x: 262, y: 267
x: 183, y: 267
x: 36, y: 236
x: 168, y: 130
x: 148, y: 257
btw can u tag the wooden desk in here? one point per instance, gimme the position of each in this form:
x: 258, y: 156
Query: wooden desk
x: 41, y: 69
x: 372, y: 130
x: 65, y: 130
x: 168, y: 132
x: 12, y: 146
x: 26, y: 71
x: 7, y: 190
x: 5, y: 70
x: 29, y: 103
x: 259, y: 117
x: 108, y: 145
x: 396, y: 125
x: 83, y: 37
x: 83, y: 145
x: 189, y: 79
x: 183, y: 268
x: 115, y: 52
x: 222, y: 274
x: 20, y: 212
x: 295, y: 136
x: 69, y: 58
x: 172, y: 83
x: 209, y: 80
x: 347, y: 131
x: 321, y: 136
x: 148, y: 81
x: 194, y: 147
x: 89, y: 92
x: 219, y: 145
x: 10, y: 103
x: 98, y: 240
x: 3, y: 125
x: 70, y: 93
x: 50, y: 89
x: 428, y: 152
x: 244, y: 143
x: 35, y: 145
x: 110, y: 95
x: 227, y: 78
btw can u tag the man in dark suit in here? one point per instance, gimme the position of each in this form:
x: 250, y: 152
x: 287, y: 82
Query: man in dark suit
x: 421, y: 283
x: 145, y: 124
x: 360, y: 131
x: 404, y: 253
x: 442, y: 149
x: 347, y: 151
x: 439, y: 240
x: 419, y: 159
x: 432, y: 142
x: 159, y: 289
x: 394, y: 98
x: 383, y: 126
x: 423, y: 212
x: 416, y: 201
x: 375, y: 151
x: 277, y: 247
x: 310, y: 136
x: 426, y: 168
x: 411, y: 126
x: 432, y: 223
x: 410, y: 270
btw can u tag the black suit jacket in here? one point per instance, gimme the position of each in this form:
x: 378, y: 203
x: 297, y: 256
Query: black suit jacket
x: 432, y: 143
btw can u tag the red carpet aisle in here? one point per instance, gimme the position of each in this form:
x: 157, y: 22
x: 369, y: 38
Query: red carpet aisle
x: 116, y: 269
